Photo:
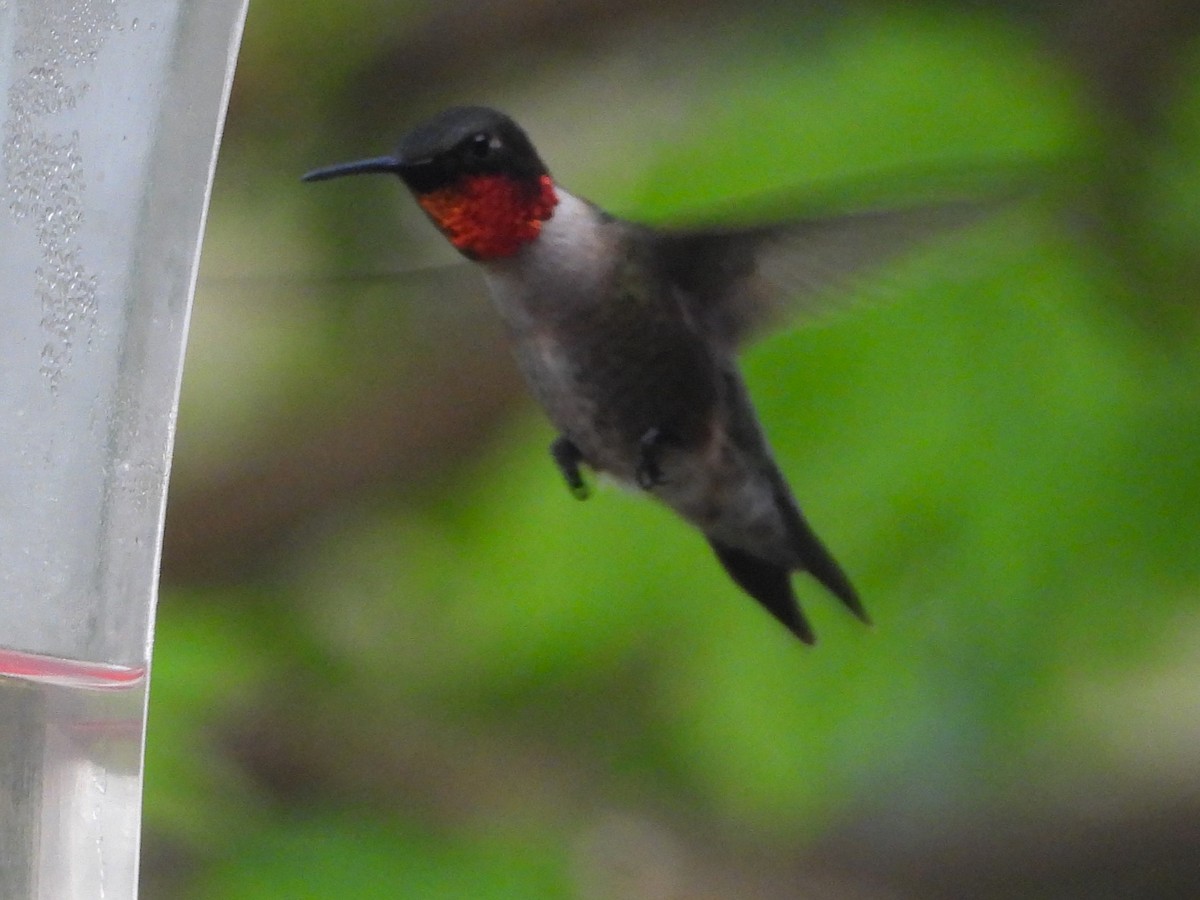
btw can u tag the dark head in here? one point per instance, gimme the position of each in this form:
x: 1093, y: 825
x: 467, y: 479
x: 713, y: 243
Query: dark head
x: 475, y: 173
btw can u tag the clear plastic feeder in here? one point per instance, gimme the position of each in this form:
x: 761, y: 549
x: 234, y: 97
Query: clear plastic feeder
x: 112, y: 111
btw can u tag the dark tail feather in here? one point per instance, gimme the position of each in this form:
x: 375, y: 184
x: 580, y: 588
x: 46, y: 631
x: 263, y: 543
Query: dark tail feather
x: 818, y: 561
x: 769, y: 584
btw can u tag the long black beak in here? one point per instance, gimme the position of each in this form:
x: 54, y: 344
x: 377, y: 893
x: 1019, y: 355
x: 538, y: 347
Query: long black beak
x: 388, y: 164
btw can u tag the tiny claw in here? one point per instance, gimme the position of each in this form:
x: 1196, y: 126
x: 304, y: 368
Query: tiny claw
x: 649, y: 473
x: 567, y: 457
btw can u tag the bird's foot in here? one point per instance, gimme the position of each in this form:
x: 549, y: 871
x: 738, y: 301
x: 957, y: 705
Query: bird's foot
x: 649, y: 469
x: 567, y: 457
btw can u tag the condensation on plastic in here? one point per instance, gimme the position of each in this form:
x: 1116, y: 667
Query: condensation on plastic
x: 111, y: 110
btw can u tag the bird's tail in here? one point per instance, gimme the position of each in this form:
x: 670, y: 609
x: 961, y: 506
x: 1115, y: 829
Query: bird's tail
x: 815, y: 559
x: 769, y: 584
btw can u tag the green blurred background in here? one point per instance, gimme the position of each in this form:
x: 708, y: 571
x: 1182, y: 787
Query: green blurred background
x: 395, y: 658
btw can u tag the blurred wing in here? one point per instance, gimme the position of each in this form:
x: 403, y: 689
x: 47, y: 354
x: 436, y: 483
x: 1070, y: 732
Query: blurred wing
x: 739, y: 281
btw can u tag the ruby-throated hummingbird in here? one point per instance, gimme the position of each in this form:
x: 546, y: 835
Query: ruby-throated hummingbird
x: 627, y: 334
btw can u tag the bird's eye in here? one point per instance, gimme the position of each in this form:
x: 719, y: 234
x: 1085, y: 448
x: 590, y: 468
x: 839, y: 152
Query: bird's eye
x: 482, y: 145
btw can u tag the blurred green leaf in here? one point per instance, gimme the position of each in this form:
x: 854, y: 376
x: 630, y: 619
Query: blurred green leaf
x: 333, y: 855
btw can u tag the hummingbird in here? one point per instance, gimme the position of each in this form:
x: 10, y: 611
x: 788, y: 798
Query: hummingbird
x: 628, y: 334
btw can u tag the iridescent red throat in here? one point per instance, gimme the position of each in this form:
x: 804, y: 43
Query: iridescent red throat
x: 491, y: 216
